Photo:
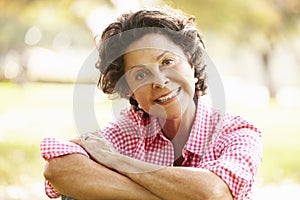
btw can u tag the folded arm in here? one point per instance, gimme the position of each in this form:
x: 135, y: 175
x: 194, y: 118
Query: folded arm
x: 165, y: 182
x: 181, y: 183
x: 80, y: 177
x: 71, y: 172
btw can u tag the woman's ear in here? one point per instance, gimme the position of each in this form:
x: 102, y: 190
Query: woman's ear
x: 192, y: 66
x: 128, y: 93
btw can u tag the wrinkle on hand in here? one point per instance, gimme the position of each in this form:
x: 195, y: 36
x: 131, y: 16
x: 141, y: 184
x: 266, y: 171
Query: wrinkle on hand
x: 104, y: 153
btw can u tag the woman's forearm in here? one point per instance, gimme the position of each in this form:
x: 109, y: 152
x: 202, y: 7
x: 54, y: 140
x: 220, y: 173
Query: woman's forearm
x: 183, y: 183
x: 174, y: 182
x: 79, y: 177
x: 165, y: 182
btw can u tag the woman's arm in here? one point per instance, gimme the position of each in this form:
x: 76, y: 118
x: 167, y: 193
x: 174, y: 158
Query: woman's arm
x: 165, y: 182
x: 80, y: 177
x: 172, y: 182
x: 182, y: 183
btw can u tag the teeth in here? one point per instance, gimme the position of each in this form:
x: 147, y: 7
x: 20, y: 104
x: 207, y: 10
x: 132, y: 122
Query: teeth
x: 169, y: 96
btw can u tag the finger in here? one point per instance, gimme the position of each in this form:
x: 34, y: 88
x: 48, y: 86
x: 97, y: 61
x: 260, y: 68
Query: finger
x: 77, y: 141
x: 98, y: 142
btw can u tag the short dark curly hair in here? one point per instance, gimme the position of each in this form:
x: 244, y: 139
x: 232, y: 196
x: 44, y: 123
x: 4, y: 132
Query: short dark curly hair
x: 130, y: 27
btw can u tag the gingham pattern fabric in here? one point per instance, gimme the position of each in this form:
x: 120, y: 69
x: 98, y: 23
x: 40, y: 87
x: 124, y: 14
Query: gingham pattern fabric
x: 52, y: 148
x: 226, y: 145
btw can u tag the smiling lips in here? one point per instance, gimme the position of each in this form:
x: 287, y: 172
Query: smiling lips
x: 173, y: 94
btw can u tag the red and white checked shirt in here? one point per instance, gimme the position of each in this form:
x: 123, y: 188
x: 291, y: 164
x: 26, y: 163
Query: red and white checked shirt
x: 224, y: 144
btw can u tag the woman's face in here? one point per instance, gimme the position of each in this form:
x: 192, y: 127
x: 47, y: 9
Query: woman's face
x: 159, y: 76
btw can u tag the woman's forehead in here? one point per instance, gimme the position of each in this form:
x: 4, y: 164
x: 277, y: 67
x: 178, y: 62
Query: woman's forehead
x: 156, y: 43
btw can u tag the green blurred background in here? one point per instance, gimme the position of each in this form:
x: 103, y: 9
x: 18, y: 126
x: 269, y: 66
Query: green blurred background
x: 255, y: 45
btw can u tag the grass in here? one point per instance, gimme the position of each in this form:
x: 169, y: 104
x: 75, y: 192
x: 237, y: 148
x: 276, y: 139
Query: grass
x: 280, y: 127
x: 20, y: 163
x: 33, y: 111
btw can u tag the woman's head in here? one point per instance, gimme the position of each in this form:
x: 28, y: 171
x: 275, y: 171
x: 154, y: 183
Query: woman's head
x: 159, y: 76
x: 131, y: 27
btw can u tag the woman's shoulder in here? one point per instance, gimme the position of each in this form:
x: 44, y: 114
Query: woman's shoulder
x: 226, y: 120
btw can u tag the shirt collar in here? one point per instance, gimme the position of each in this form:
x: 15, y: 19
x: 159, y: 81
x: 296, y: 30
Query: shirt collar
x: 149, y: 126
x: 204, y: 129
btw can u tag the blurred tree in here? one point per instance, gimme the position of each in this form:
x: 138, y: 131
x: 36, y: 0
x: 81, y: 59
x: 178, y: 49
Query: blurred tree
x: 51, y: 19
x: 268, y: 21
x: 239, y: 20
x: 16, y: 17
x: 289, y: 15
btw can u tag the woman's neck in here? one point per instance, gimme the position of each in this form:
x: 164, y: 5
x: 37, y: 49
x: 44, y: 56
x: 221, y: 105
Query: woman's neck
x: 178, y: 130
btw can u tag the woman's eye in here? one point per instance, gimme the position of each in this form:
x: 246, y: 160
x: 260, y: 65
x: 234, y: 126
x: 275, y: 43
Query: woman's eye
x: 168, y: 61
x: 140, y: 75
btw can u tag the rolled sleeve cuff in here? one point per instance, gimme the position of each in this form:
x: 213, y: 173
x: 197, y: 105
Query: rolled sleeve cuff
x: 238, y: 183
x: 52, y: 148
x: 50, y: 191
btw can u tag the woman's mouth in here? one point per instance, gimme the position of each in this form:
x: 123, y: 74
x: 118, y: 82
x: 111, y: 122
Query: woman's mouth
x: 173, y: 94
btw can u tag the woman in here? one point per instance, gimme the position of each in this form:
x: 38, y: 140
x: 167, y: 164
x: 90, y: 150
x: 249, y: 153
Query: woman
x: 155, y: 59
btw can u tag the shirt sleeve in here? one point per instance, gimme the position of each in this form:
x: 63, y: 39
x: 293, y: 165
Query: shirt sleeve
x: 52, y: 148
x: 238, y: 158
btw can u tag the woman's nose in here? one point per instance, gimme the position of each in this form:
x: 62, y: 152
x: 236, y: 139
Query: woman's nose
x: 159, y: 77
x: 160, y: 82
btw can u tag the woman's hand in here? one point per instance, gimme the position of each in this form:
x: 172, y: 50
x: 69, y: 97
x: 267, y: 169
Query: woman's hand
x: 99, y: 149
x: 104, y: 153
x: 77, y: 141
x: 94, y: 141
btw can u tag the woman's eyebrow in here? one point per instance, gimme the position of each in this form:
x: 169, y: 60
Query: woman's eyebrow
x: 157, y: 58
x: 162, y: 54
x: 136, y: 66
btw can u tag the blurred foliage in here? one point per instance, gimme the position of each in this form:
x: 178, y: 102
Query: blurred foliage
x: 16, y: 17
x: 236, y: 18
x: 240, y: 18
